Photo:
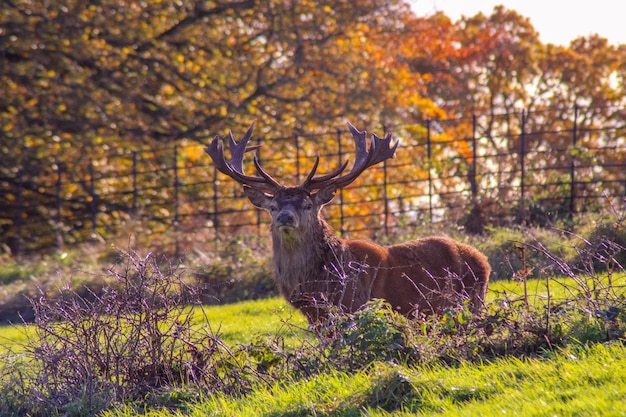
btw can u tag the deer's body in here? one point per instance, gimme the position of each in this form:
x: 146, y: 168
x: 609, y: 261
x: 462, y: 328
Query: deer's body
x: 314, y: 269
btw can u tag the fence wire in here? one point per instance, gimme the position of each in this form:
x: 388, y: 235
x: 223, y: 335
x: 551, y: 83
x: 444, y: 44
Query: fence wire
x: 475, y: 171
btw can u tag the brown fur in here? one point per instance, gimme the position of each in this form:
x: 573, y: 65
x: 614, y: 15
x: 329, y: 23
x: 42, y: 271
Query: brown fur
x: 314, y: 269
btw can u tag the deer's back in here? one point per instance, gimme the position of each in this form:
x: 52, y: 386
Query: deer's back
x: 437, y: 253
x: 430, y: 273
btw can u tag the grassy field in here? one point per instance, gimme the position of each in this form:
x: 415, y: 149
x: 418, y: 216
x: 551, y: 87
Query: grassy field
x: 581, y: 382
x: 576, y: 380
x: 116, y: 335
x: 243, y: 322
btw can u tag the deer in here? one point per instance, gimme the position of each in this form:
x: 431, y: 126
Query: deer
x: 316, y: 271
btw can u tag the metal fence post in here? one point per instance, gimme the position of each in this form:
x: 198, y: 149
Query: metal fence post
x: 297, y: 145
x: 18, y: 220
x: 258, y: 212
x: 134, y: 174
x: 175, y: 184
x: 92, y: 195
x: 522, y: 157
x: 216, y: 217
x: 340, y: 157
x: 473, y: 172
x: 385, y: 195
x: 572, y: 197
x: 59, y: 184
x: 429, y: 164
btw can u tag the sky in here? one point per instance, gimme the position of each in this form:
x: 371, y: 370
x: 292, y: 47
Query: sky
x: 557, y: 21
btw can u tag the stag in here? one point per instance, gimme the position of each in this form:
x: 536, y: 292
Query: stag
x: 314, y: 269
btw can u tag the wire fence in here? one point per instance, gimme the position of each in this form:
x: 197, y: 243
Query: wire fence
x: 485, y: 169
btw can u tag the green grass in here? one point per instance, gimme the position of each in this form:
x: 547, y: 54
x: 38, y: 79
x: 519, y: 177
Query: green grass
x: 578, y: 379
x: 579, y: 382
x: 245, y: 321
x: 13, y: 338
x: 558, y: 288
x: 232, y: 323
x: 582, y: 381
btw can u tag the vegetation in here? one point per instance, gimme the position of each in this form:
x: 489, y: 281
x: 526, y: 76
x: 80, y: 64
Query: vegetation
x: 113, y: 97
x: 577, y: 381
x: 96, y: 96
x: 141, y: 341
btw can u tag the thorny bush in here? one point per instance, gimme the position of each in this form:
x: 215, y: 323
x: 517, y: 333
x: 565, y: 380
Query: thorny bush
x: 125, y: 343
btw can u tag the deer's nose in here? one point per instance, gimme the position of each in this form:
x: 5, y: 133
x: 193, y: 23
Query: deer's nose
x: 285, y: 219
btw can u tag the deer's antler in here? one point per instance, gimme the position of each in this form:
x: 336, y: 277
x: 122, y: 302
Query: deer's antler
x: 379, y: 150
x: 234, y: 167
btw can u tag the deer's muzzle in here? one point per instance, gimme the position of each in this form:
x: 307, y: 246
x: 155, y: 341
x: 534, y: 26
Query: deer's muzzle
x: 286, y: 219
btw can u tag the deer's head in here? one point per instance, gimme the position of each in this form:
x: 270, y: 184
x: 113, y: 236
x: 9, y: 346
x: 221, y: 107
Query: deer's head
x: 294, y: 208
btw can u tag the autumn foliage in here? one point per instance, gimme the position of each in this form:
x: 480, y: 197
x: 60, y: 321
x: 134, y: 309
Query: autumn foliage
x: 83, y: 85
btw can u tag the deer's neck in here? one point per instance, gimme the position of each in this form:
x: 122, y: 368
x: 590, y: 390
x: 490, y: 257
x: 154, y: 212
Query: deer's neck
x: 305, y: 255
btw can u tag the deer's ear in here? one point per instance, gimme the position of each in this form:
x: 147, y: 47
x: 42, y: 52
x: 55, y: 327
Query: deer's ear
x: 256, y: 197
x: 324, y: 195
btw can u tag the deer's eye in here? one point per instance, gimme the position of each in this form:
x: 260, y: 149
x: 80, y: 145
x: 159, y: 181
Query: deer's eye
x: 273, y: 208
x: 307, y: 206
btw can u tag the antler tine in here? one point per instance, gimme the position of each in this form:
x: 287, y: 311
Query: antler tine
x: 237, y: 150
x: 312, y: 173
x: 386, y: 152
x: 234, y: 167
x: 264, y: 174
x: 379, y: 150
x: 311, y: 183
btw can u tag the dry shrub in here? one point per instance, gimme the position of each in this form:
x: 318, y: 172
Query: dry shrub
x: 483, y: 214
x: 127, y: 342
x: 237, y: 269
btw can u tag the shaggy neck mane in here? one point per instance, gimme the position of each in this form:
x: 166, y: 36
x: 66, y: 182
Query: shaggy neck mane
x: 302, y: 256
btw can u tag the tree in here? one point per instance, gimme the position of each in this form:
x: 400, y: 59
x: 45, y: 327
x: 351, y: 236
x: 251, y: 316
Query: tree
x: 495, y: 80
x: 88, y: 82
